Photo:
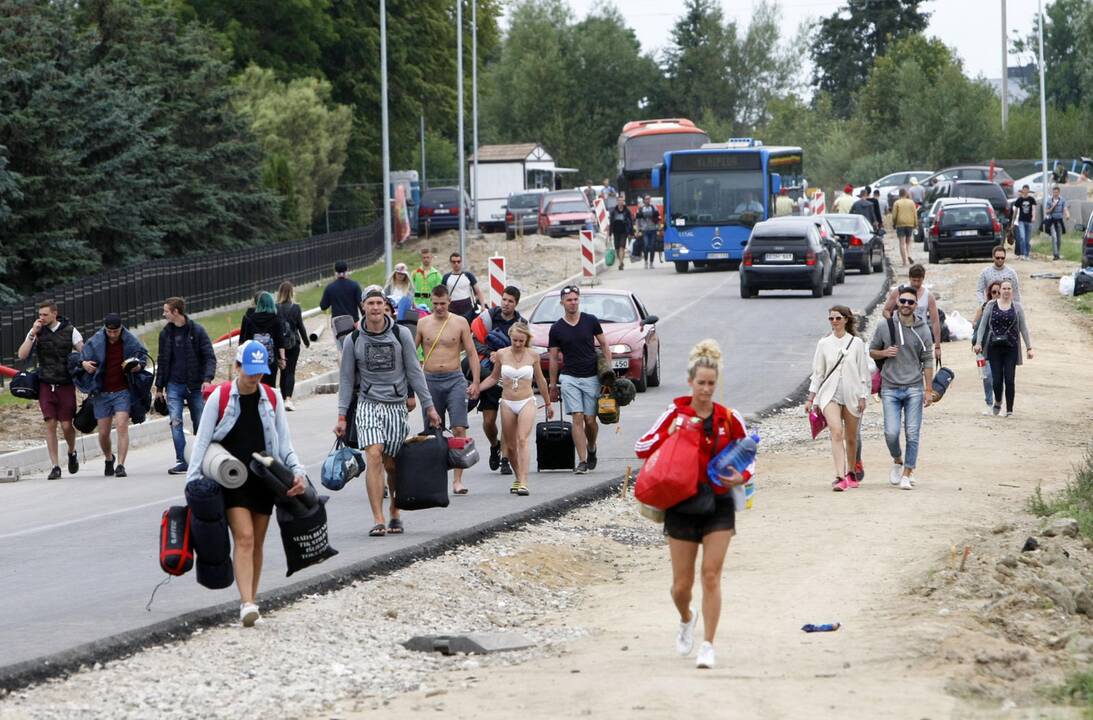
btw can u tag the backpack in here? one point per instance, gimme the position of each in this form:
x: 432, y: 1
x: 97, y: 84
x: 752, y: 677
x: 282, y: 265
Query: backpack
x: 267, y: 342
x: 225, y: 395
x: 287, y: 330
x: 892, y: 341
x: 176, y: 554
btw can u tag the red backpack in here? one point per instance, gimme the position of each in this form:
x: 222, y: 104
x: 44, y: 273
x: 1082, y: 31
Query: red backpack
x: 225, y: 395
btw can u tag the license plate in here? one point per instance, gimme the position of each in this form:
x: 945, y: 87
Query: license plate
x: 779, y: 257
x: 620, y: 363
x: 717, y: 256
x: 966, y: 233
x: 441, y: 211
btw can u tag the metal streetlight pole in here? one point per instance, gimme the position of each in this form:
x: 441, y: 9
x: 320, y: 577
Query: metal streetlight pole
x: 459, y: 140
x: 1043, y: 103
x: 387, y: 257
x: 474, y: 107
x: 424, y: 183
x: 1005, y: 71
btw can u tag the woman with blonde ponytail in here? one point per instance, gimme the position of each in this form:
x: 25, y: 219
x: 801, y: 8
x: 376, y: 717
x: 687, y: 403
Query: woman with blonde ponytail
x: 712, y: 532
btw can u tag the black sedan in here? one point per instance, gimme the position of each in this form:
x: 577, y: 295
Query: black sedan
x: 786, y: 253
x: 966, y: 229
x: 863, y: 246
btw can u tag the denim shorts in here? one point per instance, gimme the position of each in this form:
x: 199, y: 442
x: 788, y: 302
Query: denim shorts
x: 580, y: 395
x: 108, y: 404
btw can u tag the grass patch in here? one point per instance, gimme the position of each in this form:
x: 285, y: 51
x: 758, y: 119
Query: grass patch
x: 1070, y: 248
x: 1074, y: 500
x: 1077, y: 690
x: 218, y: 324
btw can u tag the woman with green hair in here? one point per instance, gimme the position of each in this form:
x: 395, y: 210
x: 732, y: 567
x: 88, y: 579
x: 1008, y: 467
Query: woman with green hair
x: 262, y: 323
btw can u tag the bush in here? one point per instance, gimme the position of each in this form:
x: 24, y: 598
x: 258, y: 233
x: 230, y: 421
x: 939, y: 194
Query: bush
x: 1075, y: 499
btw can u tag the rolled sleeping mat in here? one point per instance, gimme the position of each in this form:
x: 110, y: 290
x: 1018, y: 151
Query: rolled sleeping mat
x: 210, y: 540
x: 223, y: 467
x: 215, y: 576
x: 206, y: 499
x: 279, y: 479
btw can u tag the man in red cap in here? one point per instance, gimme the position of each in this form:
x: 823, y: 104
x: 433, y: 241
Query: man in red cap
x: 784, y: 204
x: 845, y: 200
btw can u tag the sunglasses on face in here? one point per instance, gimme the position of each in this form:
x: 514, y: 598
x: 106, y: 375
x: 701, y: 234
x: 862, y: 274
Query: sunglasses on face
x: 835, y: 318
x: 999, y: 257
x: 907, y: 301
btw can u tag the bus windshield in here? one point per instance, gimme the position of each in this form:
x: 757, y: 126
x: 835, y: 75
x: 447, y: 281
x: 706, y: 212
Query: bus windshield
x: 733, y: 197
x: 647, y: 151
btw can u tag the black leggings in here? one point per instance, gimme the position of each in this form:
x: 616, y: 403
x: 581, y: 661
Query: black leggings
x: 288, y: 375
x: 1003, y: 361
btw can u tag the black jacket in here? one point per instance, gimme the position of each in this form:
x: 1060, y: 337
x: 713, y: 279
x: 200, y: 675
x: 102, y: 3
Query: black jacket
x: 200, y: 358
x: 622, y: 221
x: 292, y: 317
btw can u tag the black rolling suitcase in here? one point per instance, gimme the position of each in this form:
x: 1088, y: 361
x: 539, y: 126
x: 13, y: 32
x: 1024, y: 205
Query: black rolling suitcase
x: 554, y: 448
x: 421, y: 478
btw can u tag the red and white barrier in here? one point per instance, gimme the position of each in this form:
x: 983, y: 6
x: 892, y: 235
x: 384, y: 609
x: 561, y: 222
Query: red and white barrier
x: 498, y: 279
x: 588, y: 256
x: 603, y: 220
x: 819, y: 203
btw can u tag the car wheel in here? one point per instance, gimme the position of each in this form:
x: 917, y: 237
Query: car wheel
x: 878, y: 260
x: 934, y: 256
x: 654, y: 379
x: 681, y: 266
x: 842, y: 275
x: 640, y: 383
x: 867, y: 264
x: 745, y: 291
x: 510, y: 235
x: 830, y: 286
x: 818, y: 287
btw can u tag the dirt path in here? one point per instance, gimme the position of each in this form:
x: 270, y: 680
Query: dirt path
x: 919, y: 639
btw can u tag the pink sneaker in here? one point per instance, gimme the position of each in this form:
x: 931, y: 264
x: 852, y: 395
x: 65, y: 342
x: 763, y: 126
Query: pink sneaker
x: 841, y: 485
x: 852, y: 481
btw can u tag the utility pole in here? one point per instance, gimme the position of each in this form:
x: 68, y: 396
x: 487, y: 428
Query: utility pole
x: 1043, y: 101
x: 459, y: 139
x: 424, y: 184
x: 1005, y: 72
x: 387, y: 258
x: 474, y: 107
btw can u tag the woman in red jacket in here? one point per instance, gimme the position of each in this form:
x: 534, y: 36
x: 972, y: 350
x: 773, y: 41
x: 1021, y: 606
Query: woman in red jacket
x: 686, y: 532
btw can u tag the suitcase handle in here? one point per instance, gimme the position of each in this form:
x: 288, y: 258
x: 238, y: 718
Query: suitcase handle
x: 561, y: 417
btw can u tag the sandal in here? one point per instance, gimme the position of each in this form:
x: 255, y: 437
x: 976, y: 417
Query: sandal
x: 395, y: 526
x: 514, y: 488
x: 377, y: 531
x: 522, y: 490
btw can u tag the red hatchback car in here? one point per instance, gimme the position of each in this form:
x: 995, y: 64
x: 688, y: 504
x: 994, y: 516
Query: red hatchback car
x: 628, y: 328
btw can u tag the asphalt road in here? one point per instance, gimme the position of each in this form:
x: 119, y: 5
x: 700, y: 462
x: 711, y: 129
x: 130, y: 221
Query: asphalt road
x: 78, y: 556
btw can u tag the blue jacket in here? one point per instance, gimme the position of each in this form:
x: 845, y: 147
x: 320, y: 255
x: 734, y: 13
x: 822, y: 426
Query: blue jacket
x: 200, y: 357
x: 95, y: 350
x: 274, y: 430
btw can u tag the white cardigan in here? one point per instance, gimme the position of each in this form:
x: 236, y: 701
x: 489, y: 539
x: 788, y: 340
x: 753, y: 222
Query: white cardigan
x: 854, y: 370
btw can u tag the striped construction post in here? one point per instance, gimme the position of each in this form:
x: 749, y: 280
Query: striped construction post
x: 498, y: 279
x: 588, y: 257
x: 599, y: 209
x: 819, y: 203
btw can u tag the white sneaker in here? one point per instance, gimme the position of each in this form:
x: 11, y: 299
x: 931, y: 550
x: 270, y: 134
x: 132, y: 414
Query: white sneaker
x: 894, y: 474
x: 706, y: 656
x: 685, y: 640
x: 906, y: 483
x: 289, y: 405
x: 248, y: 614
x: 989, y: 409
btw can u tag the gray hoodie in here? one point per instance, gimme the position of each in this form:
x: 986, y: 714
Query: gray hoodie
x: 381, y: 366
x: 916, y: 345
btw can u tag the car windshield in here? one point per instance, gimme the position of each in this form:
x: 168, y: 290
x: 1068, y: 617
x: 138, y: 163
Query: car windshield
x: 965, y: 216
x: 567, y: 206
x: 987, y: 192
x: 606, y: 308
x: 846, y: 226
x: 520, y: 202
x: 440, y: 196
x: 731, y: 197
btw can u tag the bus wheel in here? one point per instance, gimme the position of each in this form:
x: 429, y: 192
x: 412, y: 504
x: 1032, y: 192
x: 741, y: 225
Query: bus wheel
x: 681, y: 266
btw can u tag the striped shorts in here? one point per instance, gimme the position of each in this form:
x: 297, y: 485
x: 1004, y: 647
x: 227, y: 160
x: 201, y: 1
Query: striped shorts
x: 380, y: 423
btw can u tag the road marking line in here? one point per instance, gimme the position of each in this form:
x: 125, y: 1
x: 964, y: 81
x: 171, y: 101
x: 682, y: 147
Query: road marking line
x: 53, y: 526
x: 697, y: 300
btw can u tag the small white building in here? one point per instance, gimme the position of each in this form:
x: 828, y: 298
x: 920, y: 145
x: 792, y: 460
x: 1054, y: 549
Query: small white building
x: 507, y: 169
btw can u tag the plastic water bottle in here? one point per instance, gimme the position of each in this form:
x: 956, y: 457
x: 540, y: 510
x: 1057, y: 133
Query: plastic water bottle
x: 981, y: 363
x: 738, y: 455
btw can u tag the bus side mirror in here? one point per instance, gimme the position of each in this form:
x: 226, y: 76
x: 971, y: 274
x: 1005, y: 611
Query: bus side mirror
x: 655, y: 179
x: 775, y: 183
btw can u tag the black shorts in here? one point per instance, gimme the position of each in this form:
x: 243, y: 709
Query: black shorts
x: 692, y: 528
x: 620, y: 241
x: 254, y: 495
x: 490, y: 399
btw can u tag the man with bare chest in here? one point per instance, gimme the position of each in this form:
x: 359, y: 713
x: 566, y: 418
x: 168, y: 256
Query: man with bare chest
x: 442, y: 336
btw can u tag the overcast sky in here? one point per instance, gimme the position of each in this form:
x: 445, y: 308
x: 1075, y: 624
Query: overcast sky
x: 972, y: 27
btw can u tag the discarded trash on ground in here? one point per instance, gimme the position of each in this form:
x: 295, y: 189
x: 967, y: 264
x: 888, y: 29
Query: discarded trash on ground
x: 828, y: 627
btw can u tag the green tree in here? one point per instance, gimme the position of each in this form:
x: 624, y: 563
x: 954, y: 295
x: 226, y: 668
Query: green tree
x: 765, y: 68
x: 1068, y: 80
x: 297, y: 124
x: 698, y: 63
x: 878, y: 101
x: 848, y: 42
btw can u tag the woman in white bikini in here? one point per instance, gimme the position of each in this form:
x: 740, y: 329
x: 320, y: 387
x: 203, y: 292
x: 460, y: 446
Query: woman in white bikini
x: 514, y: 368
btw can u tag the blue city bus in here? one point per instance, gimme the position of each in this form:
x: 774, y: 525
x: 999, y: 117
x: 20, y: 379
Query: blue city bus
x: 714, y: 195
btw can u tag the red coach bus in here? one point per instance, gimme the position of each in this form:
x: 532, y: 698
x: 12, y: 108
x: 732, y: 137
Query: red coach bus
x: 642, y: 144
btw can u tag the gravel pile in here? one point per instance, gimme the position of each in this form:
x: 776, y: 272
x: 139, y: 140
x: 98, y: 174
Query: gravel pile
x: 344, y: 647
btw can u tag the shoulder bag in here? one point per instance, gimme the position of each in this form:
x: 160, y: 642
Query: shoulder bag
x: 673, y: 472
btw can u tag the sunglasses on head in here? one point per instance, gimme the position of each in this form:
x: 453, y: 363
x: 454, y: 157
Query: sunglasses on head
x: 907, y: 301
x: 571, y: 289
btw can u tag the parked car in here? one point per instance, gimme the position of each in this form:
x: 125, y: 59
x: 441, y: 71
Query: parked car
x: 1035, y: 181
x: 787, y: 253
x: 522, y: 213
x: 627, y: 326
x: 1087, y: 245
x: 439, y: 209
x: 565, y: 217
x: 863, y: 247
x: 893, y: 181
x: 973, y: 172
x: 559, y: 195
x: 967, y: 229
x: 830, y: 240
x: 992, y: 192
x: 928, y: 216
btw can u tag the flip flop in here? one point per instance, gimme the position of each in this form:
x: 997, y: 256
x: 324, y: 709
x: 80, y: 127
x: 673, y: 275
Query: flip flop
x: 522, y: 490
x: 377, y: 531
x: 395, y: 526
x: 461, y: 491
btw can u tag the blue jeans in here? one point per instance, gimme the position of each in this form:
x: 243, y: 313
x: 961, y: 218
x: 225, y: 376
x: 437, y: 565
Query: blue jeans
x: 908, y: 400
x: 177, y: 394
x: 1023, y: 231
x: 988, y: 384
x: 1054, y: 227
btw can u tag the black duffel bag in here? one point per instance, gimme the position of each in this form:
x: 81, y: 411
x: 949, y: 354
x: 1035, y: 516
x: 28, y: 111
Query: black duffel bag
x: 421, y: 478
x: 84, y: 419
x: 24, y: 385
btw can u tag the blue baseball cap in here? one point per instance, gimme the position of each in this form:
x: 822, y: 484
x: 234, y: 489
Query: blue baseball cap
x: 253, y: 357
